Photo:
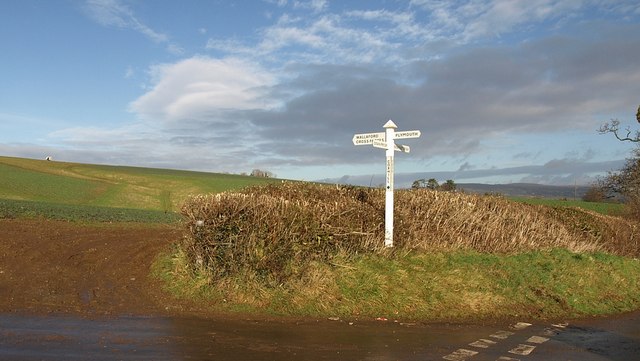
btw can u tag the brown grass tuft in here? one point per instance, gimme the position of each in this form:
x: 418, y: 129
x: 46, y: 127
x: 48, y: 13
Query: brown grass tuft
x: 275, y: 231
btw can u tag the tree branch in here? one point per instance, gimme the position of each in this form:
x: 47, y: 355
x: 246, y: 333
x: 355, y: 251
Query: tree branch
x: 614, y: 127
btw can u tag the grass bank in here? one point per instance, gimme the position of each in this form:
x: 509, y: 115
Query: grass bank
x: 459, y: 286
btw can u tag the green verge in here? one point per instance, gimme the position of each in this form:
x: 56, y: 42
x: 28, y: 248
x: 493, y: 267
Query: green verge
x: 456, y: 286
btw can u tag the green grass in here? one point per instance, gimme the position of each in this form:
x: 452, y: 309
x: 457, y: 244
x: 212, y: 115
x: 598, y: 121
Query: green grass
x: 39, y: 186
x: 110, y: 186
x: 10, y: 208
x: 429, y: 287
x: 602, y: 208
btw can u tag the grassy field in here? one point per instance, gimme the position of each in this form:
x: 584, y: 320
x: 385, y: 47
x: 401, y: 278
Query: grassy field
x: 10, y: 208
x: 602, y: 208
x: 110, y: 186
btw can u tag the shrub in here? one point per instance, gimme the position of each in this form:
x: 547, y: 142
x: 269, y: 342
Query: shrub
x: 594, y: 194
x: 275, y: 231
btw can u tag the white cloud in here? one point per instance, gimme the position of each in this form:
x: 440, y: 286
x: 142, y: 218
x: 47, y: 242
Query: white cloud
x: 129, y: 72
x: 470, y: 20
x: 332, y: 38
x: 200, y: 87
x: 501, y: 16
x: 315, y: 5
x: 279, y: 3
x: 175, y: 49
x: 113, y: 13
x: 399, y: 23
x: 280, y: 37
x: 326, y: 39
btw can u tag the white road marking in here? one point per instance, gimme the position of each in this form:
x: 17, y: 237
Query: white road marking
x: 537, y: 339
x: 482, y: 343
x: 501, y: 334
x: 460, y: 354
x: 522, y: 350
x: 520, y: 326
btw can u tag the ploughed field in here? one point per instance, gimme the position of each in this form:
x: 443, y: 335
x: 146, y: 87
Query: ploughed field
x: 69, y: 267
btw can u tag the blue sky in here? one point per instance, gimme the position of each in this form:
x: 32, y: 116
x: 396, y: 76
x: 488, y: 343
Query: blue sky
x: 502, y: 91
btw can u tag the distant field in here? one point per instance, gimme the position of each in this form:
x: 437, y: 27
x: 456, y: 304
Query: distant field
x: 110, y: 186
x: 602, y: 208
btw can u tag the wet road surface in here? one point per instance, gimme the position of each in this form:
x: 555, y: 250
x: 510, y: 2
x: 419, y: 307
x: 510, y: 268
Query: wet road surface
x: 140, y: 338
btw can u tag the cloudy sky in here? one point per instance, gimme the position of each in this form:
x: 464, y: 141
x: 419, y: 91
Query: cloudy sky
x: 502, y: 91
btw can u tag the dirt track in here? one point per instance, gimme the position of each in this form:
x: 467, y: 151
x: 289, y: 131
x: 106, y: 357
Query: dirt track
x: 63, y: 267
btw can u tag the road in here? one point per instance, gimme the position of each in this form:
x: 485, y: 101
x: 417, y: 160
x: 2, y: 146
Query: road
x: 51, y: 337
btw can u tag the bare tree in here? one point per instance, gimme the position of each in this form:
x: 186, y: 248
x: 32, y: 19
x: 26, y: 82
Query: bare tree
x: 614, y: 127
x: 626, y: 181
x: 594, y: 194
x: 262, y: 173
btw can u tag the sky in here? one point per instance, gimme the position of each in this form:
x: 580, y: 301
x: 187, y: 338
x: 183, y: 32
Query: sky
x: 502, y: 91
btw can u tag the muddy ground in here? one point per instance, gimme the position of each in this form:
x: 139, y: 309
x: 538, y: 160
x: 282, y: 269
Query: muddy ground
x: 63, y: 267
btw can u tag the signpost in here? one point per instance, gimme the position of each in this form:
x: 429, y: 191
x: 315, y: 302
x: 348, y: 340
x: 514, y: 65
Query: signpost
x: 385, y: 140
x: 367, y: 138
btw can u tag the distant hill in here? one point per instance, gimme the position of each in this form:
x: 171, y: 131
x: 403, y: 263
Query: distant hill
x: 526, y: 190
x: 404, y: 181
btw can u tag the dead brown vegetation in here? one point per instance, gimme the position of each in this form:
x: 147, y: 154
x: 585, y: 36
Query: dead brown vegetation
x: 275, y: 230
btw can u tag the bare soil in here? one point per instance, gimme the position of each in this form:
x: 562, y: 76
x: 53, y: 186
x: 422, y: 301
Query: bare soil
x: 64, y: 267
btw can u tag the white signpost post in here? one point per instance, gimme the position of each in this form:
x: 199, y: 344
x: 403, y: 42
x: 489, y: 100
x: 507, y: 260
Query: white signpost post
x: 385, y: 140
